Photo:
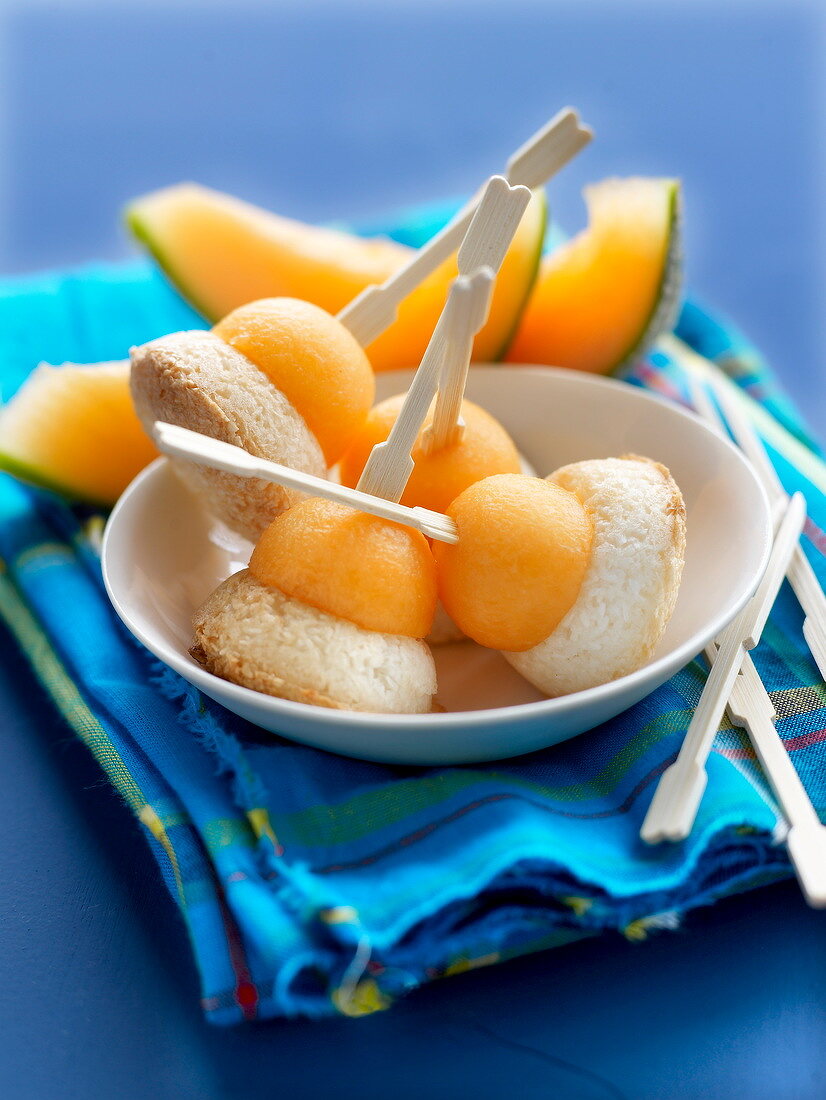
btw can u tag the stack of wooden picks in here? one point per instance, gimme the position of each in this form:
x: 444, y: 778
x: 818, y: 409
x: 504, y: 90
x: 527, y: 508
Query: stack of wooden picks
x: 180, y: 442
x: 674, y: 807
x: 734, y: 682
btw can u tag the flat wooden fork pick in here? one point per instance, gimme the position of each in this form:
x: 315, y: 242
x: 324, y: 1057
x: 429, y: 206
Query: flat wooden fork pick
x: 183, y: 443
x: 533, y: 164
x: 750, y: 706
x: 390, y: 464
x: 801, y: 576
x: 677, y: 798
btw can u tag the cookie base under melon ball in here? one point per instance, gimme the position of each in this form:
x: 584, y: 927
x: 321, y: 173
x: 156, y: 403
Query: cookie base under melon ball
x: 254, y: 635
x: 197, y: 380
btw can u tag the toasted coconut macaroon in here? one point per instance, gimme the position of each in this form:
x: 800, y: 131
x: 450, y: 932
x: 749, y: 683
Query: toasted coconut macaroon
x: 332, y: 611
x: 197, y: 380
x: 281, y: 378
x: 630, y: 587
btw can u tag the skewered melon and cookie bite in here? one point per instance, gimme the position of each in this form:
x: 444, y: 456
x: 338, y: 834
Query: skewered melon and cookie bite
x: 452, y: 451
x: 331, y: 611
x: 335, y: 604
x: 281, y: 378
x: 630, y: 588
x: 573, y: 578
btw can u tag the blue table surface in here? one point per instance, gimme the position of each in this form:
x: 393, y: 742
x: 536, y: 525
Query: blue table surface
x: 98, y: 996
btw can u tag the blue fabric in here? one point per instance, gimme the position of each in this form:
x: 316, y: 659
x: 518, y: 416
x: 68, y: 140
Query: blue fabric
x: 314, y: 884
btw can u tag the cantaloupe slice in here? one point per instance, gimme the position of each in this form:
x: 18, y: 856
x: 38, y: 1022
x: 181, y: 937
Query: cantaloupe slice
x: 73, y: 429
x: 222, y: 253
x: 607, y: 294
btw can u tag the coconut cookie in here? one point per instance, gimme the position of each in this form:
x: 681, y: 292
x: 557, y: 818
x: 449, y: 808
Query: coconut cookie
x: 281, y: 378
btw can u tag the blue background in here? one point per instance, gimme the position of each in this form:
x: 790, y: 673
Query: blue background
x: 347, y: 110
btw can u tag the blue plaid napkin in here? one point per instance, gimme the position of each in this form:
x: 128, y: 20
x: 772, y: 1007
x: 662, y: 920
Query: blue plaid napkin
x: 312, y: 884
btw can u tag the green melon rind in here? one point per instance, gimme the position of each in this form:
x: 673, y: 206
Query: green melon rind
x: 23, y: 471
x: 532, y: 275
x: 666, y: 306
x: 141, y: 230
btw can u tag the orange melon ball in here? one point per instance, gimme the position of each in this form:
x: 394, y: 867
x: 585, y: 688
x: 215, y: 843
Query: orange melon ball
x: 312, y: 358
x: 523, y: 550
x: 484, y: 449
x: 374, y: 573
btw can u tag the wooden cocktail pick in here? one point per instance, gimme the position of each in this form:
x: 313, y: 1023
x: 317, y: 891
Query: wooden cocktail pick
x: 183, y: 443
x: 801, y: 576
x: 533, y: 164
x: 447, y: 426
x: 800, y: 573
x: 750, y: 706
x: 390, y: 464
x: 491, y: 229
x: 677, y: 798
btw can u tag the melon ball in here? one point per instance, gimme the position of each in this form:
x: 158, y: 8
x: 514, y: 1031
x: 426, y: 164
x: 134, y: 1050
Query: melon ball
x: 484, y: 449
x: 523, y: 551
x: 313, y: 359
x: 372, y: 572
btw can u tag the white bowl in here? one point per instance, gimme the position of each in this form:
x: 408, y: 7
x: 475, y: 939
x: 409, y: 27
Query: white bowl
x: 162, y: 556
